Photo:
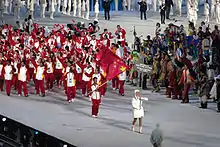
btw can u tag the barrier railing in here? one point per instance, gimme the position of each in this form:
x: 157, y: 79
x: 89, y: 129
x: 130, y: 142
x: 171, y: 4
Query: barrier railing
x: 5, y: 141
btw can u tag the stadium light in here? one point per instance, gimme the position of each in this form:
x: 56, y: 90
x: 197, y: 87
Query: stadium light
x: 64, y: 145
x: 3, y: 119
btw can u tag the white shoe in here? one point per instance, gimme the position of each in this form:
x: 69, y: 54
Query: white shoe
x: 90, y: 99
x: 72, y: 100
x: 83, y: 95
x: 113, y: 88
x: 51, y: 18
x: 19, y: 95
x: 68, y: 13
x: 140, y: 130
x: 94, y: 116
x: 133, y: 128
x: 69, y: 101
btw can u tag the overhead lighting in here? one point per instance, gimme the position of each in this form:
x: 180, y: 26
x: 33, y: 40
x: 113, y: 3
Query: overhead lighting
x: 3, y: 119
x: 64, y: 145
x: 36, y: 132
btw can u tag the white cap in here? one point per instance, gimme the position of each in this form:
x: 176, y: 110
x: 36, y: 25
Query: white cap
x: 136, y: 91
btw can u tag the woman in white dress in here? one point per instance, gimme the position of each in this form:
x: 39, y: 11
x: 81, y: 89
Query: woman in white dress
x: 138, y: 110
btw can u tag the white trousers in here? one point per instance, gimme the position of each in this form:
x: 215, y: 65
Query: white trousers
x: 74, y: 8
x: 87, y: 9
x: 129, y: 5
x: 64, y: 6
x: 96, y: 15
x: 179, y: 7
x: 58, y: 5
x: 17, y: 12
x: 155, y: 5
x: 69, y: 7
x: 43, y: 7
x: 10, y: 6
x: 212, y: 12
x: 79, y: 8
x: 51, y: 15
x: 207, y: 18
x: 218, y: 13
x: 6, y: 9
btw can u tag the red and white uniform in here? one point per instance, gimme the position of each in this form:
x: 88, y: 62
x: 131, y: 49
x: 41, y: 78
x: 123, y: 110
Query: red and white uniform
x: 58, y: 70
x: 106, y: 42
x: 65, y: 71
x: 86, y: 79
x: 79, y: 72
x: 8, y: 75
x: 122, y: 78
x: 71, y: 85
x: 15, y: 75
x: 86, y: 41
x: 96, y: 99
x: 121, y: 35
x: 50, y: 75
x: 1, y: 77
x: 94, y: 43
x: 108, y: 34
x: 99, y: 78
x: 23, y: 77
x: 40, y: 75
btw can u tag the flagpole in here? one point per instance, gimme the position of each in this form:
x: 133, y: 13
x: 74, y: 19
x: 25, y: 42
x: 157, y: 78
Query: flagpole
x: 99, y: 87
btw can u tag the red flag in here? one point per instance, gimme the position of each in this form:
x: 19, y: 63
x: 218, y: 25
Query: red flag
x: 110, y: 63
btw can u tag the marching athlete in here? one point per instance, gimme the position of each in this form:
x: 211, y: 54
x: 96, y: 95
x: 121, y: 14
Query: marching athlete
x: 96, y: 98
